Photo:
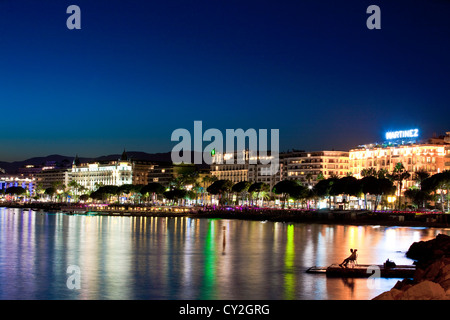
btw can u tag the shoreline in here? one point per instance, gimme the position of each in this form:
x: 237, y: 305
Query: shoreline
x: 344, y: 217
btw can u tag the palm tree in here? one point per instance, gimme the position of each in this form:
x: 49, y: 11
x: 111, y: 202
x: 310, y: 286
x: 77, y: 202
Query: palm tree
x: 323, y: 189
x: 184, y: 179
x: 349, y: 186
x: 421, y: 175
x: 106, y: 193
x: 399, y: 174
x: 241, y: 188
x: 130, y: 191
x: 60, y: 188
x: 50, y: 191
x: 176, y: 195
x: 441, y: 182
x: 369, y: 172
x: 285, y: 188
x: 74, y: 188
x: 382, y: 173
x: 220, y: 188
x: 299, y: 193
x: 260, y: 190
x: 309, y: 178
x: 376, y: 187
x: 39, y: 190
x: 417, y: 196
x: 206, y: 181
x: 153, y: 188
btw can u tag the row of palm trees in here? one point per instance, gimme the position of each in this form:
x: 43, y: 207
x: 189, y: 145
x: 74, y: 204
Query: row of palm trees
x: 431, y: 188
x: 190, y: 186
x: 374, y: 184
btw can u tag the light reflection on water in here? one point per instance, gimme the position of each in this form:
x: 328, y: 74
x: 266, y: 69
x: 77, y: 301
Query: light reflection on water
x: 184, y: 258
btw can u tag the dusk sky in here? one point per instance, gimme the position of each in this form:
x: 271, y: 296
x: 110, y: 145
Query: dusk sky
x: 138, y: 70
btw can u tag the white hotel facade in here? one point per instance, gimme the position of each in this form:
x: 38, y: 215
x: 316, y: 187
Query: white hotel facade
x: 306, y: 167
x: 112, y: 172
x: 93, y: 175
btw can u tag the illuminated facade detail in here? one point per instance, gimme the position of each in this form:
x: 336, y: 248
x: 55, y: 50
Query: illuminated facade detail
x: 235, y: 172
x: 161, y: 173
x: 140, y: 171
x: 29, y: 170
x: 309, y: 166
x: 414, y: 157
x: 48, y: 178
x: 306, y: 167
x: 447, y: 152
x: 116, y: 173
x: 93, y: 175
x: 252, y: 168
x: 166, y: 173
x: 232, y: 172
x: 7, y: 181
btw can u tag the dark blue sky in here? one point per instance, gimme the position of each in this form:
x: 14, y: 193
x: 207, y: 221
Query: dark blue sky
x: 138, y: 70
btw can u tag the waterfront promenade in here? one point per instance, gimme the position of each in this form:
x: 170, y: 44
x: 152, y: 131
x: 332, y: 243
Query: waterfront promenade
x: 354, y: 217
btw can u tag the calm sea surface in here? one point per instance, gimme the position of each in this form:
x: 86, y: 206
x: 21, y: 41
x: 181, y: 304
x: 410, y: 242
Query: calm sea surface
x: 58, y: 256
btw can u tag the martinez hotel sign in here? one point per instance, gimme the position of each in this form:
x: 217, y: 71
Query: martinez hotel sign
x: 412, y: 133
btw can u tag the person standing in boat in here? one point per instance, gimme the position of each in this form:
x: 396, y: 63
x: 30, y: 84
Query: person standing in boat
x: 351, y: 257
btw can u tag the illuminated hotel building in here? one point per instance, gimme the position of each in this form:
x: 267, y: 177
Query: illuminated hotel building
x: 140, y: 171
x: 235, y: 172
x: 447, y: 151
x: 295, y: 165
x: 252, y: 169
x: 309, y: 166
x: 117, y: 173
x: 432, y: 156
x: 47, y: 178
x: 93, y: 175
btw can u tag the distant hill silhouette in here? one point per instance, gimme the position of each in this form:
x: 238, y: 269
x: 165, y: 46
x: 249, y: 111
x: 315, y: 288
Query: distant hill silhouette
x: 12, y: 167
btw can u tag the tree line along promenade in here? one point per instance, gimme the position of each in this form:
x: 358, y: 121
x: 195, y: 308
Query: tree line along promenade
x: 401, y: 177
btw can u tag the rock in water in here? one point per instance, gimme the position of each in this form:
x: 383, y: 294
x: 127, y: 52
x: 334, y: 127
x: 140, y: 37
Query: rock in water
x: 425, y: 252
x: 425, y: 290
x: 432, y: 277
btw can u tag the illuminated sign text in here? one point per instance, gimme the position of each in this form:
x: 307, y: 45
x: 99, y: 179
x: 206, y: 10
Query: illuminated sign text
x: 413, y: 133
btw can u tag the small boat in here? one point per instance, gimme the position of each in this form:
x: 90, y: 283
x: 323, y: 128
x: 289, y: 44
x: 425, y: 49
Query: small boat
x: 365, y: 271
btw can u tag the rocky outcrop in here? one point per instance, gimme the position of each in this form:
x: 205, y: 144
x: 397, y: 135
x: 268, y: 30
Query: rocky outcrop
x: 426, y: 252
x: 432, y: 278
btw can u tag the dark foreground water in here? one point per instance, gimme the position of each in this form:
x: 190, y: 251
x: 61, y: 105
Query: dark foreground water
x: 58, y: 256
